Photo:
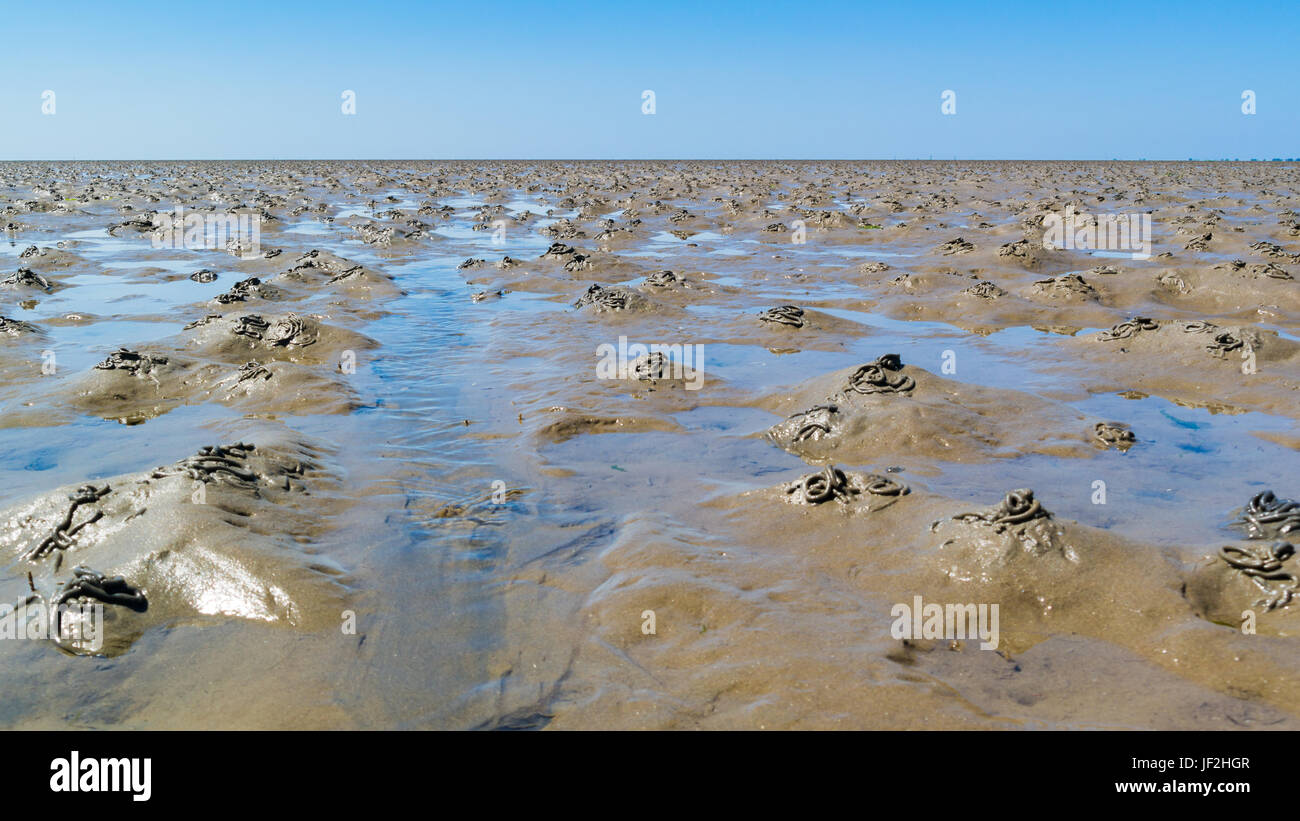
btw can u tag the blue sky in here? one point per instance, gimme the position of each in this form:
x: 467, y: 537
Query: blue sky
x: 500, y: 79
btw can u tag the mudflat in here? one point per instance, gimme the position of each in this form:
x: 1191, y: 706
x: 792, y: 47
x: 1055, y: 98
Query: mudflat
x: 652, y: 444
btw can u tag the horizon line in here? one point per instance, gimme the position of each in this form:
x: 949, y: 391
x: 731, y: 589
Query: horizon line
x: 647, y: 159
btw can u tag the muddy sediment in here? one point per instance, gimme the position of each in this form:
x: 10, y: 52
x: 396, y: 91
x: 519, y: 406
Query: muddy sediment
x: 530, y: 445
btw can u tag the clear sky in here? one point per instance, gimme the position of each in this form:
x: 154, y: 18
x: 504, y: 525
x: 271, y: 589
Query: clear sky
x: 502, y: 79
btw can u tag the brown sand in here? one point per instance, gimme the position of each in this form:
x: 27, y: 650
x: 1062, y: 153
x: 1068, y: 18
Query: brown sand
x: 450, y: 516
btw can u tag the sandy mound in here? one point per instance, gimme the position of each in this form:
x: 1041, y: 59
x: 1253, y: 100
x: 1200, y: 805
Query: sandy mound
x: 886, y: 410
x: 218, y: 535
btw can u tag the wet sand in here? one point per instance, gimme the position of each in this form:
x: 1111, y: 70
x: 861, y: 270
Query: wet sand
x: 378, y: 475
